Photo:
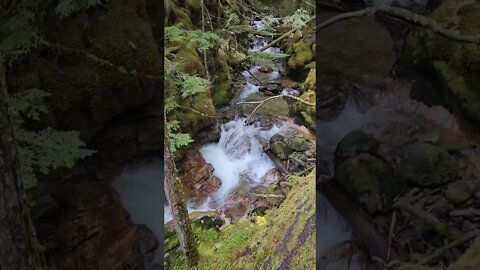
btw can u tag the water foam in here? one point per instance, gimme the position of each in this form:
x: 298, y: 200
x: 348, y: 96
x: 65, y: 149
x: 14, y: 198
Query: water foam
x: 238, y: 156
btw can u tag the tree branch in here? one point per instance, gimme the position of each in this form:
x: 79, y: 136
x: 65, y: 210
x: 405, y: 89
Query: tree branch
x: 404, y: 15
x: 262, y: 102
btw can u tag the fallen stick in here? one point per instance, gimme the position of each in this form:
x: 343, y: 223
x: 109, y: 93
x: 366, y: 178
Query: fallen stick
x: 404, y: 15
x: 439, y: 252
x: 439, y: 226
x: 365, y: 232
x: 268, y: 195
x: 278, y: 164
x: 261, y: 102
x: 390, y: 235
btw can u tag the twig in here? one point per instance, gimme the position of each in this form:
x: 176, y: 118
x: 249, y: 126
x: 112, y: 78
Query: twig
x: 404, y: 15
x: 194, y: 111
x: 390, y: 235
x: 255, y: 77
x: 439, y: 226
x: 268, y: 195
x: 439, y: 252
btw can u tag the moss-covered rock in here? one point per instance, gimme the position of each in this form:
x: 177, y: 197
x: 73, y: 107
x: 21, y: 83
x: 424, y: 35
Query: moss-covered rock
x: 306, y: 112
x: 276, y: 138
x: 190, y: 62
x: 298, y: 144
x: 181, y: 16
x: 354, y: 143
x: 222, y: 85
x: 369, y: 180
x: 457, y: 64
x: 464, y: 90
x: 300, y: 55
x: 281, y: 149
x: 426, y: 164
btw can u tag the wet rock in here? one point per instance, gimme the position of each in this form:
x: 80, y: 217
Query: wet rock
x: 290, y: 84
x: 354, y: 143
x: 458, y: 192
x: 298, y: 144
x: 197, y: 176
x: 265, y: 69
x: 210, y: 222
x: 369, y: 180
x: 270, y: 87
x: 281, y: 149
x: 426, y: 164
x: 276, y: 138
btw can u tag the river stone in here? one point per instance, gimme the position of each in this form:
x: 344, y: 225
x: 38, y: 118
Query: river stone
x: 369, y: 180
x: 276, y: 138
x: 281, y: 149
x: 458, y: 192
x: 354, y: 143
x: 425, y: 164
x: 298, y: 144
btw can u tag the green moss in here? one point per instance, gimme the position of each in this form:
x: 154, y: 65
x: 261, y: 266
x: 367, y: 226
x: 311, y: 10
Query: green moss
x: 181, y: 16
x: 222, y: 85
x: 190, y: 61
x: 248, y: 245
x: 460, y: 56
x: 306, y: 112
x: 190, y: 115
x: 311, y: 80
x: 465, y: 92
x: 301, y: 55
x: 369, y: 180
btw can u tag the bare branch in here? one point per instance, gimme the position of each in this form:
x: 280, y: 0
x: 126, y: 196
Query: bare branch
x: 404, y: 15
x: 262, y: 102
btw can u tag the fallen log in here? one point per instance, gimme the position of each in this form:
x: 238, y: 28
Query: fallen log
x: 365, y: 232
x: 278, y: 163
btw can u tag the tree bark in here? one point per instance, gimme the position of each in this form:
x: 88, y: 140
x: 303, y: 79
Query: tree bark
x: 19, y: 248
x: 178, y: 207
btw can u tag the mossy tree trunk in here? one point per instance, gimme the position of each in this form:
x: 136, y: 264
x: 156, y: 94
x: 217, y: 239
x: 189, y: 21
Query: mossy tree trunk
x: 19, y: 248
x: 178, y: 207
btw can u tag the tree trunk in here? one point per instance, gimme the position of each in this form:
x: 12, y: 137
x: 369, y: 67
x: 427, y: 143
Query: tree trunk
x: 19, y: 249
x: 178, y: 207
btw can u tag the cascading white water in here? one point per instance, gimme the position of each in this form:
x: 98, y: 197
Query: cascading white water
x: 238, y: 155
